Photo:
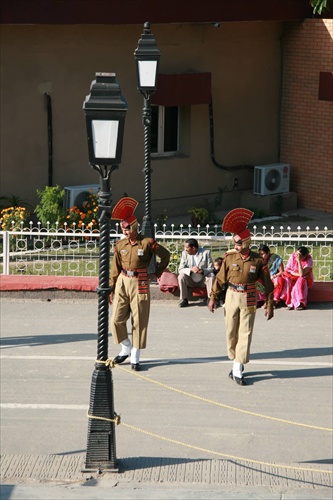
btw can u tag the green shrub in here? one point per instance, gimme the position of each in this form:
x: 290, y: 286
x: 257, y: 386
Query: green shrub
x: 320, y: 6
x: 161, y: 220
x: 50, y: 208
x: 12, y: 201
x: 199, y: 216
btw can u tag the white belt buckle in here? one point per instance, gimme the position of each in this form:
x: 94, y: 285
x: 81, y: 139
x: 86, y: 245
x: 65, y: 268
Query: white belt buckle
x: 130, y: 274
x: 240, y: 288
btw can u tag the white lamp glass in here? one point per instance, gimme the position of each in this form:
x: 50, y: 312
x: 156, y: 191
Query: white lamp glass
x: 105, y: 134
x: 147, y: 73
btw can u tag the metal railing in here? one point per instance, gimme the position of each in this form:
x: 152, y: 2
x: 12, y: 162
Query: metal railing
x: 34, y: 250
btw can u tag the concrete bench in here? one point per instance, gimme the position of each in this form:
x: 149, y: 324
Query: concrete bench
x: 199, y: 291
x: 321, y: 292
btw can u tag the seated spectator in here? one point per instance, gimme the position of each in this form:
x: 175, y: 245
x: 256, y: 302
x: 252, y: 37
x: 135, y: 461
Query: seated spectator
x: 275, y: 266
x: 195, y: 270
x: 298, y: 278
x: 217, y: 265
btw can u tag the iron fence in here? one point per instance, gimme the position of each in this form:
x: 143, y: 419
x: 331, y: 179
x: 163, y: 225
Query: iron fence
x: 34, y: 250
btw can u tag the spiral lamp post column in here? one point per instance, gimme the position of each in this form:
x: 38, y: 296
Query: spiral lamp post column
x: 147, y: 57
x: 147, y: 223
x: 105, y: 110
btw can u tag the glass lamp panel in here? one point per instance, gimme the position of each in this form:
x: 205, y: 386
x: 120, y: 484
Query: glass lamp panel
x: 105, y: 135
x: 147, y: 73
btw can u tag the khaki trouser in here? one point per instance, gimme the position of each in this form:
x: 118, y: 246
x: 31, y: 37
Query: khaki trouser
x: 127, y: 301
x: 239, y: 322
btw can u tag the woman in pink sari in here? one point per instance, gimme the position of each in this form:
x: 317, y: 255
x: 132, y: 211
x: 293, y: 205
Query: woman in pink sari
x: 298, y: 278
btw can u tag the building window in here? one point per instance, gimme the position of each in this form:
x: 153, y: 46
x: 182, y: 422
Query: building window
x: 165, y: 130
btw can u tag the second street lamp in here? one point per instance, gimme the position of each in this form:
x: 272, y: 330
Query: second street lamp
x: 105, y: 110
x: 147, y: 57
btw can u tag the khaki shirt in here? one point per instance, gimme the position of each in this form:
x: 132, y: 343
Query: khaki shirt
x: 240, y: 272
x: 137, y: 256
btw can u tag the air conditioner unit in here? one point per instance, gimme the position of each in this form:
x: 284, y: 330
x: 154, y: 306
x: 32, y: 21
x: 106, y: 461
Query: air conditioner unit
x: 77, y: 195
x: 271, y: 179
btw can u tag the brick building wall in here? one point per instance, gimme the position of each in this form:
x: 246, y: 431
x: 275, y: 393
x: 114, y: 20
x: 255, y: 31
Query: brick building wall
x: 306, y: 140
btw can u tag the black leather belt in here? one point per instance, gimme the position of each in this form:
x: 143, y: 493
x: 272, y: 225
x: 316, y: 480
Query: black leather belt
x: 129, y: 273
x: 238, y: 287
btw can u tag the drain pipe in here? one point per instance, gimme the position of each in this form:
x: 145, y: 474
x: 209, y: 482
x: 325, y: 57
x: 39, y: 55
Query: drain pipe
x: 45, y: 89
x: 49, y: 138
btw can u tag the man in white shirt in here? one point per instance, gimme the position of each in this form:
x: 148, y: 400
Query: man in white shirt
x: 196, y: 269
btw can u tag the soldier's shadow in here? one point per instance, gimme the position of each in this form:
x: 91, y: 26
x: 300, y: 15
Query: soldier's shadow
x: 147, y: 365
x: 252, y: 377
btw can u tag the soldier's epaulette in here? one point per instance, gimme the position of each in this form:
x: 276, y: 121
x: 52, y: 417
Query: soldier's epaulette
x: 230, y: 252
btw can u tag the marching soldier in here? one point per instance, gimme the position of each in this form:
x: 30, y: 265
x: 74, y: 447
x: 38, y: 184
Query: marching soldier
x: 240, y: 270
x: 130, y: 294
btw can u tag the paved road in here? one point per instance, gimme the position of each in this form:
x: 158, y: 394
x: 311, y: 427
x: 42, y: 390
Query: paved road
x: 187, y: 430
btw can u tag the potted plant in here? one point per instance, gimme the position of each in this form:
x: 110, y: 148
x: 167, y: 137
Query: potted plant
x: 199, y: 216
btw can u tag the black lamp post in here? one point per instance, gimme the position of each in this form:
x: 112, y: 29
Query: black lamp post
x: 147, y: 57
x: 105, y: 109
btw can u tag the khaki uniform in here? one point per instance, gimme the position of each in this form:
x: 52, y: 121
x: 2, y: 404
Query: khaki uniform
x: 129, y: 280
x: 241, y: 298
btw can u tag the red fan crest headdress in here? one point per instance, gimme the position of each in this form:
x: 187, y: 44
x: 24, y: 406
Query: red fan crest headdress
x: 124, y: 210
x: 236, y: 222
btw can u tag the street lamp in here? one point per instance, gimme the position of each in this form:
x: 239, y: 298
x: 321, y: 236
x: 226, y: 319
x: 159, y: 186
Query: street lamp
x: 147, y: 57
x: 105, y: 109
